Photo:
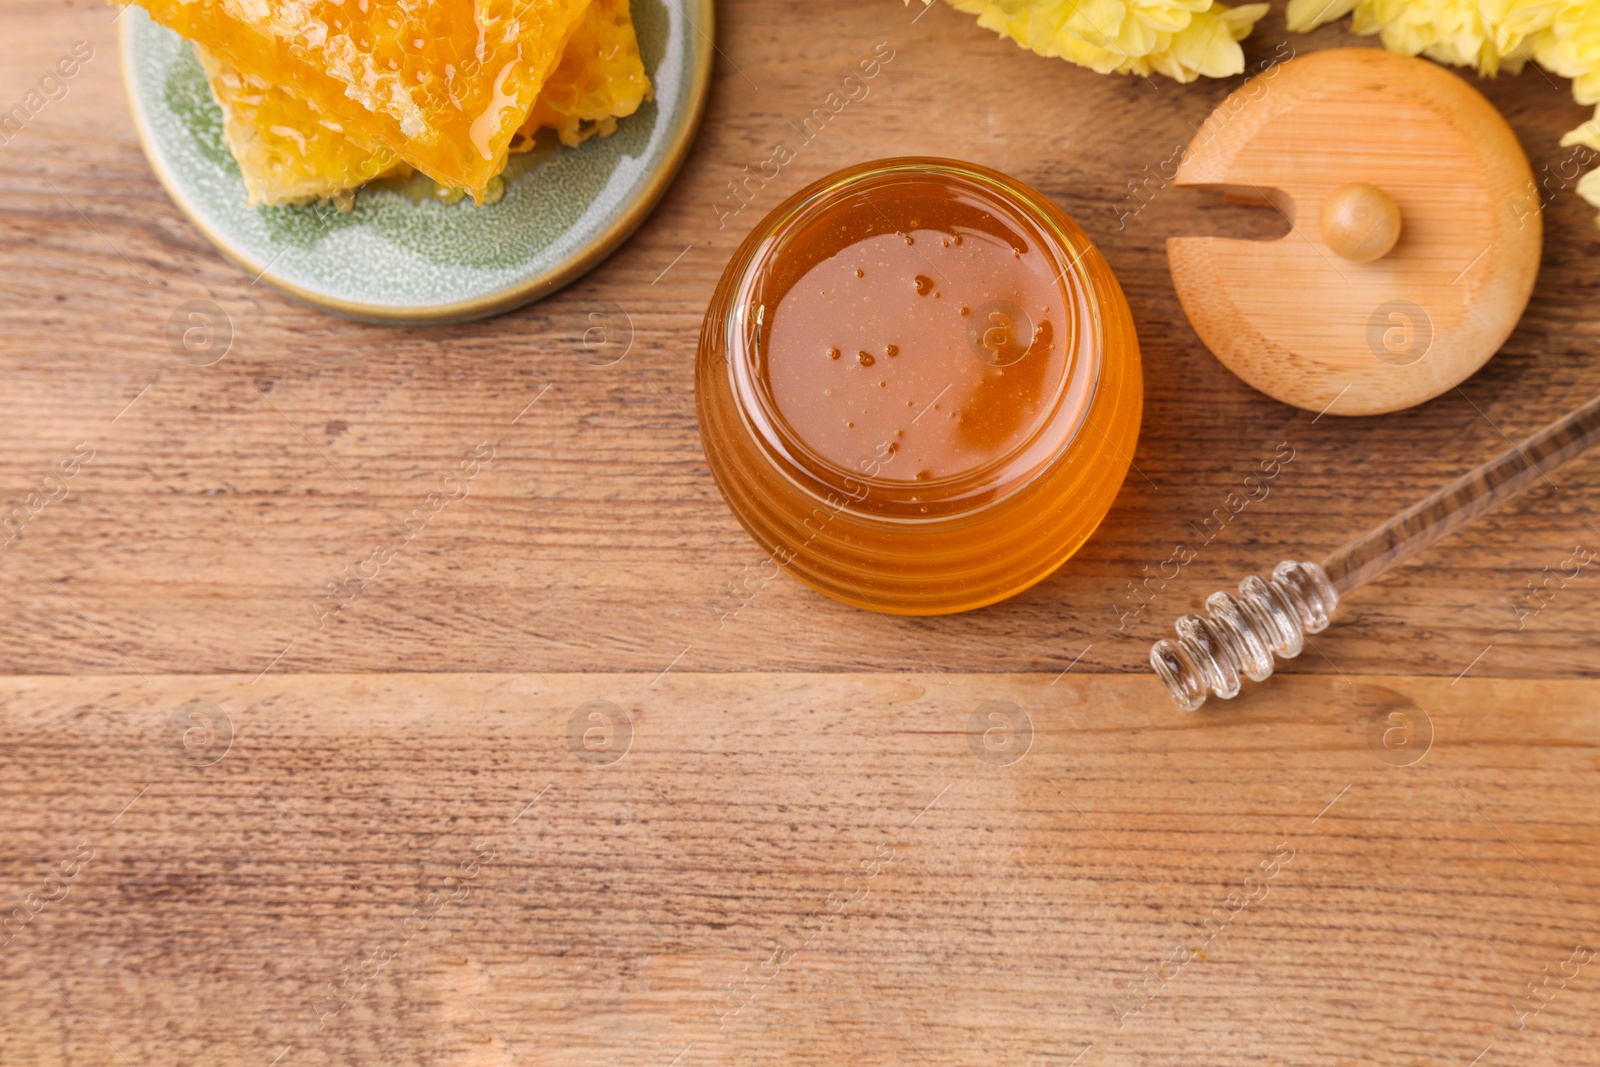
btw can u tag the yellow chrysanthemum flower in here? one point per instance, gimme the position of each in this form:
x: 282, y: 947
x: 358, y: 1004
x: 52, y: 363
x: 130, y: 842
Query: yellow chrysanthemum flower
x: 1187, y: 39
x: 1183, y: 39
x: 1562, y: 36
x: 1568, y: 44
x: 1565, y: 40
x: 1466, y: 33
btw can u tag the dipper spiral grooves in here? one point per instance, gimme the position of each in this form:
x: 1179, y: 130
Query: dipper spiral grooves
x: 1240, y: 635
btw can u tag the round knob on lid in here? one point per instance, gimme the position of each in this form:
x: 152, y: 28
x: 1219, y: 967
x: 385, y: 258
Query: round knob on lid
x: 1356, y: 336
x: 1360, y: 222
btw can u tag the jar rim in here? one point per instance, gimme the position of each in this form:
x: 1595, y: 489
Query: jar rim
x: 742, y: 333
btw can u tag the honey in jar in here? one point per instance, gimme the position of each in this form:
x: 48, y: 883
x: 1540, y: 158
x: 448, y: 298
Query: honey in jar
x: 919, y: 386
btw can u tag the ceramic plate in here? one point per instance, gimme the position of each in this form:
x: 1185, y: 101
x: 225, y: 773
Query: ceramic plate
x: 394, y: 259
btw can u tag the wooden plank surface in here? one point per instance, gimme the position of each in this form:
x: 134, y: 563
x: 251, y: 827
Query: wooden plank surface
x: 220, y: 500
x: 345, y: 864
x: 777, y: 868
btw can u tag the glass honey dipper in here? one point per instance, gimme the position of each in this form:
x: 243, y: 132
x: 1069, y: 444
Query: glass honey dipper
x: 1240, y: 634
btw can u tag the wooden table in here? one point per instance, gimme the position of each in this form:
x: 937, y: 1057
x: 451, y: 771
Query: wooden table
x: 540, y: 794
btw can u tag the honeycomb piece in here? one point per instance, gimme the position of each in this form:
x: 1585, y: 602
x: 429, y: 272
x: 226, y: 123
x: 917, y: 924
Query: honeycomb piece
x: 287, y: 150
x: 444, y: 85
x: 600, y: 79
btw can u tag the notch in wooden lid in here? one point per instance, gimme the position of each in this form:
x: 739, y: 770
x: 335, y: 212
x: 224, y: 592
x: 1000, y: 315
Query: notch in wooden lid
x: 1415, y: 232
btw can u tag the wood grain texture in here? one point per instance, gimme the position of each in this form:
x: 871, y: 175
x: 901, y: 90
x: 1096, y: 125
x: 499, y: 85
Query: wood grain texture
x: 627, y: 912
x: 1302, y: 323
x: 222, y: 500
x: 477, y: 893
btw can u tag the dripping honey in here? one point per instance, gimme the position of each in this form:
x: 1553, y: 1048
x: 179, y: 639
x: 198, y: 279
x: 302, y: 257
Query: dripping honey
x: 919, y: 386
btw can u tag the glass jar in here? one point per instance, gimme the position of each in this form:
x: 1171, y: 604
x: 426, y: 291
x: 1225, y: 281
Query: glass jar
x: 918, y: 386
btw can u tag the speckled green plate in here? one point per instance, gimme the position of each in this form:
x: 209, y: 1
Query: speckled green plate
x: 393, y: 259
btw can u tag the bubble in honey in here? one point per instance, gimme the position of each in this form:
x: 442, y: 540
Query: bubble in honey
x: 834, y: 353
x: 937, y: 378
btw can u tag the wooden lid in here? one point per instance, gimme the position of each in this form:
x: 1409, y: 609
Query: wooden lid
x: 1415, y: 240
